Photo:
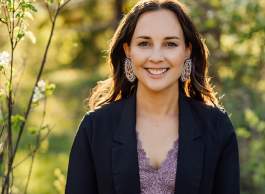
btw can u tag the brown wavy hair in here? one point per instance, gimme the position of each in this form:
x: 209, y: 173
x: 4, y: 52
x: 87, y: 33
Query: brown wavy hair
x: 117, y: 87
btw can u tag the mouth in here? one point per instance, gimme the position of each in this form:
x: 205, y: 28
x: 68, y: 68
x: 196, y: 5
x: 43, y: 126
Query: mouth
x: 156, y: 71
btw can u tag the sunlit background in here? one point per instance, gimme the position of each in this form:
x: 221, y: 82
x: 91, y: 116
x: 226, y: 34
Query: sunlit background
x: 234, y: 31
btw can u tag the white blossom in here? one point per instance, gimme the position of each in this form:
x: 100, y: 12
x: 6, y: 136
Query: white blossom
x: 42, y: 85
x: 39, y: 91
x: 4, y: 58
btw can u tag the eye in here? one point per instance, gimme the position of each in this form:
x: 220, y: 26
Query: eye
x: 171, y: 44
x: 143, y: 44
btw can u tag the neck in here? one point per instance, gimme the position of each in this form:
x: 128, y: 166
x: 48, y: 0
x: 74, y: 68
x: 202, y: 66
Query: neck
x: 157, y: 104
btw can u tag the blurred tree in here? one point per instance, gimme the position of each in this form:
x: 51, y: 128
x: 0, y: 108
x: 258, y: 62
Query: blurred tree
x: 234, y: 31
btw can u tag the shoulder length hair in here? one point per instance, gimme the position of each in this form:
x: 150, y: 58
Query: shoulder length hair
x: 117, y: 87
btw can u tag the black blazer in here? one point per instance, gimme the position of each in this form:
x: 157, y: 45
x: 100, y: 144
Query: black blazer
x: 103, y: 158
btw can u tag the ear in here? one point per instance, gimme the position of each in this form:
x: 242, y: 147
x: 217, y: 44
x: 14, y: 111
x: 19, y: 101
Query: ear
x: 188, y: 51
x: 126, y: 48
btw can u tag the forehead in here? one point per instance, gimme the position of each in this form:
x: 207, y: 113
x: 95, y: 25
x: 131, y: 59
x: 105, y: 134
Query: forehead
x: 158, y: 23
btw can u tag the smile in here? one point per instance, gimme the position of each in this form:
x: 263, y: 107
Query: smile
x: 157, y: 71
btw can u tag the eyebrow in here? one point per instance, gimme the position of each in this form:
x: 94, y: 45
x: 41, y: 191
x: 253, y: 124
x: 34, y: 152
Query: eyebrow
x: 167, y: 38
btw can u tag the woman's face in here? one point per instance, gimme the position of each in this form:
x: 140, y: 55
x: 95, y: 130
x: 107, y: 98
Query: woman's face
x: 157, y: 50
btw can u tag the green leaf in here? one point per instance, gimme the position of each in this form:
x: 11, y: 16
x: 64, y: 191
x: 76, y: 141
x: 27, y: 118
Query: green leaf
x: 31, y: 7
x: 49, y: 1
x: 28, y: 6
x: 20, y: 15
x: 16, y: 121
x: 9, y: 4
x: 32, y: 130
x: 20, y: 35
x: 50, y: 89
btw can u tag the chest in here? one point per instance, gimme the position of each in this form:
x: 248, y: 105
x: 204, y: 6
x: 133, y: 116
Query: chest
x: 157, y: 138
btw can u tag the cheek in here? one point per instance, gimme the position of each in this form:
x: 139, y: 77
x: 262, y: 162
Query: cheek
x: 176, y: 58
x: 139, y: 57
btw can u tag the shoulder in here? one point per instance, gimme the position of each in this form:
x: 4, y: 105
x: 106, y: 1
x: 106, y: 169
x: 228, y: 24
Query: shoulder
x: 208, y: 112
x: 107, y: 111
x: 105, y: 115
x: 100, y: 121
x: 216, y: 120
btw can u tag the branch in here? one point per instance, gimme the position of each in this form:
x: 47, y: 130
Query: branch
x: 63, y: 5
x: 43, y: 62
x: 2, y: 130
x: 6, y: 185
x: 49, y: 11
x: 37, y: 146
x: 6, y: 14
x: 31, y: 152
x: 30, y: 171
x: 26, y: 114
x: 3, y: 21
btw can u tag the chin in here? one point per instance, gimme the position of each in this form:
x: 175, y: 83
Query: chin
x: 157, y: 87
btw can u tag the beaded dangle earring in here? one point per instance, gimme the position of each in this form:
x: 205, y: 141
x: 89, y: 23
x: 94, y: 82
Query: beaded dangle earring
x: 129, y: 70
x: 185, y: 75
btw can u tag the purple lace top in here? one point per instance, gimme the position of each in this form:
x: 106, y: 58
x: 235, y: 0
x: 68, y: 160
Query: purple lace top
x: 161, y: 180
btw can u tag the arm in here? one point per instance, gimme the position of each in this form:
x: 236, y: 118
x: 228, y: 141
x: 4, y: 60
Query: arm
x: 81, y: 177
x: 227, y: 179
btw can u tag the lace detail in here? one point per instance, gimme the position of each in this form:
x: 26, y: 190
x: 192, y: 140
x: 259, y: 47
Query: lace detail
x: 161, y: 180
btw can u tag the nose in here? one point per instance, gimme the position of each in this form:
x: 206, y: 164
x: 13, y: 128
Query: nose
x: 156, y: 55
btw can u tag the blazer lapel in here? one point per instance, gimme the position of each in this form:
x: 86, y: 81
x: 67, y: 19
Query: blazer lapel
x: 190, y: 155
x: 124, y: 151
x: 125, y: 169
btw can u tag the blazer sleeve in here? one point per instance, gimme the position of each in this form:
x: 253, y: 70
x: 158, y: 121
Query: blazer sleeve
x: 81, y: 178
x: 227, y: 178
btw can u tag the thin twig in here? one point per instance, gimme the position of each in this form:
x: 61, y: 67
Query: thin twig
x: 7, y: 17
x: 17, y: 40
x: 10, y: 110
x: 36, y: 147
x: 12, y: 181
x: 3, y: 124
x: 31, y: 152
x: 3, y: 21
x: 2, y: 130
x: 49, y: 11
x: 18, y: 6
x: 30, y: 171
x: 3, y: 159
x: 63, y: 5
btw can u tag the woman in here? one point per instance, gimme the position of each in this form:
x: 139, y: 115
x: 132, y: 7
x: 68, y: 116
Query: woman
x: 156, y: 125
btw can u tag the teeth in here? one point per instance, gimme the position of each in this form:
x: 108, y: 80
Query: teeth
x: 157, y: 71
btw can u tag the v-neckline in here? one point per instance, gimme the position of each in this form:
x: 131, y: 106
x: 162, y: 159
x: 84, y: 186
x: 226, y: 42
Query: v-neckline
x: 146, y: 157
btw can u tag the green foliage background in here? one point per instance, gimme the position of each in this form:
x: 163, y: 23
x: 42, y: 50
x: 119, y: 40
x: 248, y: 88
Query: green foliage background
x: 234, y: 31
